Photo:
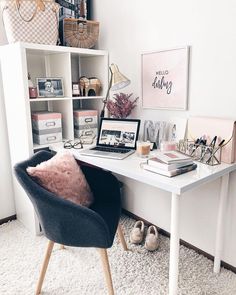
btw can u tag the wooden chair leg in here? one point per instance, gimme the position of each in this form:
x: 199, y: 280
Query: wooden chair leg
x: 44, y: 267
x: 107, y: 271
x: 122, y: 238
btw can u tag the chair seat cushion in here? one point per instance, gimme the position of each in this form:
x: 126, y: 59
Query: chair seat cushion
x: 62, y: 176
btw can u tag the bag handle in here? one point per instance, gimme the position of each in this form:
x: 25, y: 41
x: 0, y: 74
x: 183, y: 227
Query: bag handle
x: 39, y: 6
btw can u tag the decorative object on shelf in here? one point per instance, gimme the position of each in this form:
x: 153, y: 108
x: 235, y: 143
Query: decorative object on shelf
x: 46, y: 127
x: 32, y: 89
x: 122, y: 106
x: 25, y: 20
x: 199, y: 150
x: 75, y: 89
x: 83, y: 85
x: 165, y: 79
x: 117, y: 81
x: 89, y: 86
x: 50, y: 87
x: 94, y: 87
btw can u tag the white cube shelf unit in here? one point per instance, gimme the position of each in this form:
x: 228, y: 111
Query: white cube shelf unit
x: 19, y: 59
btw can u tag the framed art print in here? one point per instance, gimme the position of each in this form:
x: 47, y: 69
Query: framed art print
x: 165, y: 79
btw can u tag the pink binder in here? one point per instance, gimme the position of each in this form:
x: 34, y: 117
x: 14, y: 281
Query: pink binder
x: 222, y: 128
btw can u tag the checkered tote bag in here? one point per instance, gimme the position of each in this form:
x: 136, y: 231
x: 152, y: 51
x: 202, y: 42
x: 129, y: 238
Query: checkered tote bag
x: 32, y: 21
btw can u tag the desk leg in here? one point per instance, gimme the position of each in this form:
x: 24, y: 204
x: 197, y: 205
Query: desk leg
x: 220, y: 222
x: 174, y: 245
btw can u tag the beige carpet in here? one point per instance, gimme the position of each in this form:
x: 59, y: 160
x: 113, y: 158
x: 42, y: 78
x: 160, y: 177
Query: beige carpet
x: 78, y: 271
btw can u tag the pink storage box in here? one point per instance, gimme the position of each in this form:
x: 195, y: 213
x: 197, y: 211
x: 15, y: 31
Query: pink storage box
x: 85, y: 123
x: 210, y: 127
x: 46, y: 127
x: 46, y: 120
x: 85, y: 117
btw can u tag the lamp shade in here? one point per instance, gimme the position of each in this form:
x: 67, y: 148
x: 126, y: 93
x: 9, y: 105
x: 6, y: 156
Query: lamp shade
x: 118, y: 80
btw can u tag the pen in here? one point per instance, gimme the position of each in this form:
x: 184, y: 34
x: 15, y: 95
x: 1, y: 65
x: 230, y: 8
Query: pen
x: 208, y: 148
x: 221, y: 143
x: 213, y: 142
x: 213, y: 154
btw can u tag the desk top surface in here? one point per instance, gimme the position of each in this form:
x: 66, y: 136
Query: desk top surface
x: 130, y: 167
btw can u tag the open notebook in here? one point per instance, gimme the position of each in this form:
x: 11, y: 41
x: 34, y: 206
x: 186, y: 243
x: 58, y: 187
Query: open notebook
x: 116, y: 139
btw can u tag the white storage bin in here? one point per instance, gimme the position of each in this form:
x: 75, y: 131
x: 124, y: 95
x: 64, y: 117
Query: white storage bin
x: 45, y: 120
x: 85, y: 118
x: 47, y: 138
x: 46, y: 127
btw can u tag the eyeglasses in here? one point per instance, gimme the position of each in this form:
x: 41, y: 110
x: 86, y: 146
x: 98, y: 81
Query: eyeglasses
x: 69, y: 144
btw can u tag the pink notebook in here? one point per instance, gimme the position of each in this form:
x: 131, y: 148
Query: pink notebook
x: 210, y: 127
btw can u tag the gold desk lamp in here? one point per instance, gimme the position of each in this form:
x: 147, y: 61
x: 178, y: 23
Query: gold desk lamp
x: 117, y: 81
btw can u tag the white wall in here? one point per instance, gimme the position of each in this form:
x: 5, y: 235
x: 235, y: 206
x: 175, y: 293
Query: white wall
x: 7, y: 207
x: 129, y: 27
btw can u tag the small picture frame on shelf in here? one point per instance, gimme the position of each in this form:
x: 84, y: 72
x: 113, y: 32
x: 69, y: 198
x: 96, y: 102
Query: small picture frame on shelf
x: 50, y: 87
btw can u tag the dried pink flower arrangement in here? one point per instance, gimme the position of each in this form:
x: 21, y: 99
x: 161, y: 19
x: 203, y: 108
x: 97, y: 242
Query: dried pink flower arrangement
x: 121, y: 106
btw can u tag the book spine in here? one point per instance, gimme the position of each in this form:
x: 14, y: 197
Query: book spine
x: 169, y: 173
x: 158, y: 165
x: 183, y: 170
x: 155, y: 170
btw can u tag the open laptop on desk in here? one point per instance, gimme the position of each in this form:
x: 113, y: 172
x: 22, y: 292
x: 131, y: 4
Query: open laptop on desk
x: 116, y: 139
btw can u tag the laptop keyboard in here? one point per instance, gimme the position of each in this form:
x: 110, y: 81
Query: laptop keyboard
x: 112, y: 150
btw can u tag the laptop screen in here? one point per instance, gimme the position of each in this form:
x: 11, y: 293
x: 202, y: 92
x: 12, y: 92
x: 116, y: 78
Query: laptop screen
x: 118, y: 132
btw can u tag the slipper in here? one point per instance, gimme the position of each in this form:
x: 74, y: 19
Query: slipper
x: 137, y: 233
x: 151, y: 242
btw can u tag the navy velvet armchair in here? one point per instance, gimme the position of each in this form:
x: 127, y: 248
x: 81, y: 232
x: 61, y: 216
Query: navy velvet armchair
x: 69, y: 224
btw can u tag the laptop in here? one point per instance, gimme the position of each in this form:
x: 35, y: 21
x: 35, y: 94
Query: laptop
x: 116, y: 139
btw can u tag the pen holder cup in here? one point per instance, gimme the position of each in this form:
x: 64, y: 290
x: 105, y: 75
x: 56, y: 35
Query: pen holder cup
x: 203, y: 153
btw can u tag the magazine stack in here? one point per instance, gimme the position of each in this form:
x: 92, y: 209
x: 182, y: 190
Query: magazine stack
x: 170, y: 163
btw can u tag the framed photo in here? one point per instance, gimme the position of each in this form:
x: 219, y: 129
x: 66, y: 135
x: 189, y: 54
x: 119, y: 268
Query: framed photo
x: 165, y: 79
x: 50, y: 87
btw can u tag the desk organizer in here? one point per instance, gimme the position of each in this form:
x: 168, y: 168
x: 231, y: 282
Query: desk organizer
x: 203, y: 153
x: 46, y: 127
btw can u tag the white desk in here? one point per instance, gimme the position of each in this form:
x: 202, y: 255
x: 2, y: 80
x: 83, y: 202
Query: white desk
x: 130, y: 167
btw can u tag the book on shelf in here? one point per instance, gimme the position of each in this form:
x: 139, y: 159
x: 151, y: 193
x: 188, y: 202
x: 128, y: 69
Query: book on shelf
x: 170, y: 157
x: 170, y: 173
x: 158, y: 163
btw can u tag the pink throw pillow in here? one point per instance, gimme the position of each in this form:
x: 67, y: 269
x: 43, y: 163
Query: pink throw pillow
x: 62, y: 176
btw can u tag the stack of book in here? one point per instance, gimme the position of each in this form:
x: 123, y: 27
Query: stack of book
x: 170, y: 163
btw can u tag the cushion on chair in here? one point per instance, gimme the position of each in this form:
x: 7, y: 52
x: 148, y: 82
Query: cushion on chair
x: 62, y: 176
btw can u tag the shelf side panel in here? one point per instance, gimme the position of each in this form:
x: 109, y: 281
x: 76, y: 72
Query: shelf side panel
x: 17, y: 106
x: 15, y: 81
x: 64, y: 107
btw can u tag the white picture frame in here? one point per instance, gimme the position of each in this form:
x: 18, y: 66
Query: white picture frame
x: 164, y: 75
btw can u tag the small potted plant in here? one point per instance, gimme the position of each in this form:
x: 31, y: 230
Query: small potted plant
x: 121, y: 106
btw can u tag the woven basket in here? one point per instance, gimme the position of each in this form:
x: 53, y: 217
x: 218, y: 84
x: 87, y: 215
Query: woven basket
x: 80, y: 33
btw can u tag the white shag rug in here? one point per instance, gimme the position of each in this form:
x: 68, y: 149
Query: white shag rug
x: 78, y: 271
